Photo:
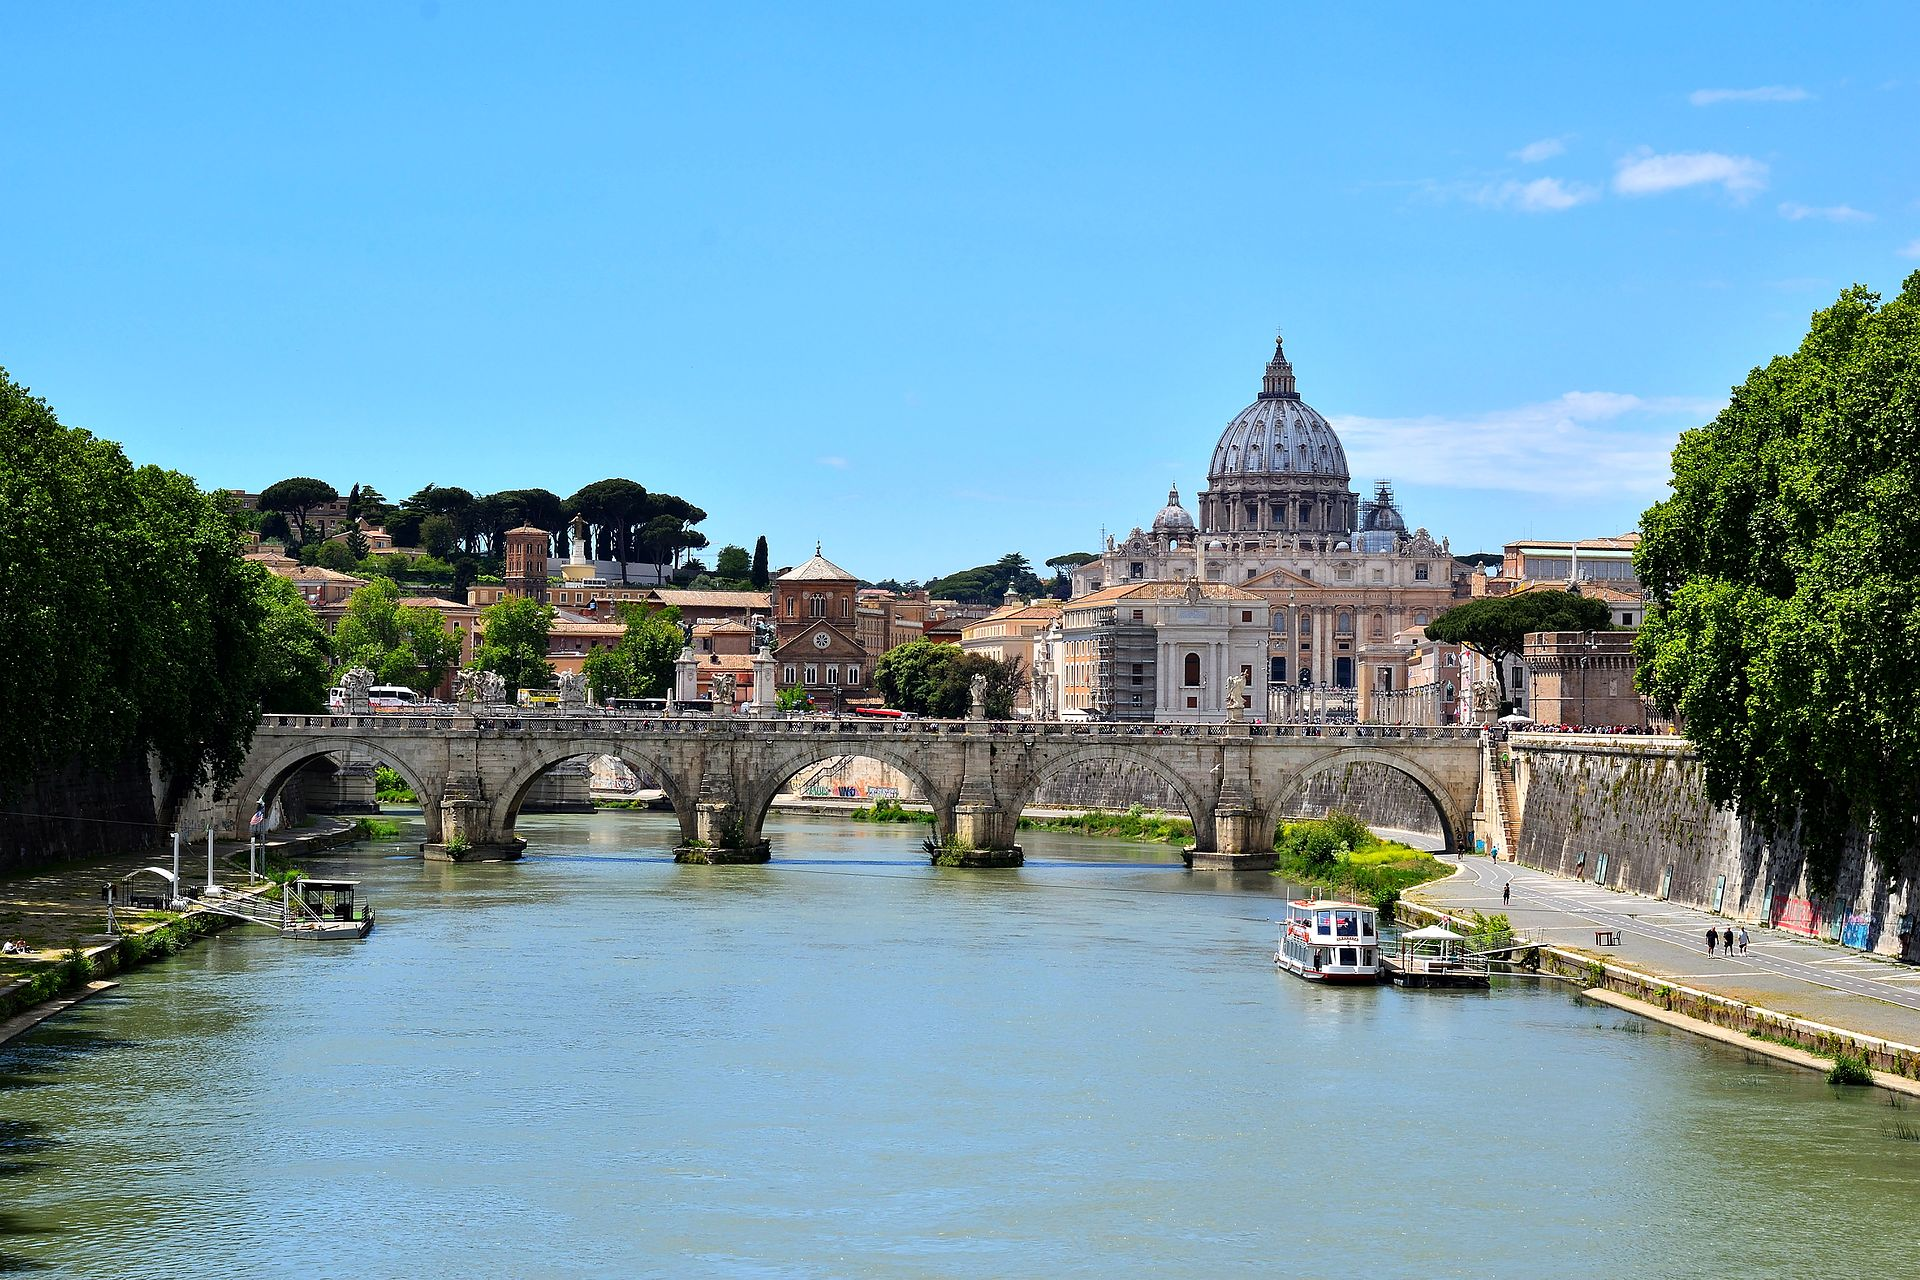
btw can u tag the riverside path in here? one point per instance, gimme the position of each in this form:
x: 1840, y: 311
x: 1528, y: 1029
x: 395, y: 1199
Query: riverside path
x: 1818, y: 981
x: 472, y: 769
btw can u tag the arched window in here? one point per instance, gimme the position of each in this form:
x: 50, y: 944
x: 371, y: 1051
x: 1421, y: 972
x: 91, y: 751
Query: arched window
x: 816, y: 606
x: 1420, y: 618
x: 1193, y: 671
x: 1343, y: 625
x: 1379, y: 626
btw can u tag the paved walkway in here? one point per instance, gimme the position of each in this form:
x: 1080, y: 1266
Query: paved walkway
x: 1816, y: 980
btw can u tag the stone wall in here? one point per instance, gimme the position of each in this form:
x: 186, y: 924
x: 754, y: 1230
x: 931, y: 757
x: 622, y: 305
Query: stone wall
x: 1377, y: 794
x: 1632, y: 813
x: 79, y: 813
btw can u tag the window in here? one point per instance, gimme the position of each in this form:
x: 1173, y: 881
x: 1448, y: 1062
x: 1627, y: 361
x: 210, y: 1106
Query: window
x: 813, y: 674
x: 1136, y: 569
x: 1246, y: 675
x: 1420, y: 618
x: 1139, y: 615
x: 1343, y: 672
x: 846, y: 606
x: 1278, y: 673
x: 1192, y: 671
x: 1343, y: 625
x: 1253, y: 513
x: 1139, y: 668
x: 1246, y: 615
x: 853, y: 673
x: 789, y: 606
x: 1193, y: 704
x: 1307, y: 574
x: 816, y: 606
x: 833, y: 674
x: 1419, y: 573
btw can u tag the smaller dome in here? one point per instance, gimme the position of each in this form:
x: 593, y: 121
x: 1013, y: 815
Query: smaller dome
x: 1173, y: 517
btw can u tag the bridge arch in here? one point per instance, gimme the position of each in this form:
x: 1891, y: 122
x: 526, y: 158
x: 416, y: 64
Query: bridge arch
x: 512, y: 793
x: 789, y: 759
x: 269, y: 777
x: 1054, y: 761
x: 1455, y: 816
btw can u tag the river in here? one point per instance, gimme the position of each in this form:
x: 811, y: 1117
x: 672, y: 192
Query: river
x: 848, y: 1063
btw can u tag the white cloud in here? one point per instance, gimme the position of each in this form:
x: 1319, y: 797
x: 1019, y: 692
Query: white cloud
x: 1911, y: 250
x: 1544, y: 149
x: 838, y: 464
x: 1586, y: 444
x: 1766, y: 93
x: 1542, y: 195
x: 1831, y: 213
x: 1644, y: 173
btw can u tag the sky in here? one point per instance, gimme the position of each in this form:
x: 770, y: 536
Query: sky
x: 930, y: 283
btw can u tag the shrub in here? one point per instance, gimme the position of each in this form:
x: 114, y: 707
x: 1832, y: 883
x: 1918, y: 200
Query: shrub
x: 1850, y: 1068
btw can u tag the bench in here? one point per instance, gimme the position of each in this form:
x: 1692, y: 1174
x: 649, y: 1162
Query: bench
x: 1606, y: 937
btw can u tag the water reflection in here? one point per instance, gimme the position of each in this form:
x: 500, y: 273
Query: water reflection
x: 849, y: 1063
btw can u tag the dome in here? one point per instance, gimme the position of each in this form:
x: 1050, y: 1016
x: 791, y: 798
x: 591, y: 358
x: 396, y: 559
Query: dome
x: 1381, y: 514
x: 1173, y: 518
x: 1279, y: 435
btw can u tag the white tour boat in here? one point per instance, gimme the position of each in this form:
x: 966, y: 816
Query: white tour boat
x: 1322, y: 940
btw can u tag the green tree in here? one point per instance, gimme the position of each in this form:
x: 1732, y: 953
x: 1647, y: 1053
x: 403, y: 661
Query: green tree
x: 296, y: 657
x: 332, y: 555
x: 437, y: 536
x: 400, y: 644
x: 641, y: 664
x: 1785, y: 628
x: 792, y: 698
x: 936, y: 680
x: 356, y: 544
x: 1496, y: 627
x: 613, y: 507
x: 294, y: 498
x: 758, y: 575
x: 989, y: 583
x: 733, y: 562
x: 513, y: 643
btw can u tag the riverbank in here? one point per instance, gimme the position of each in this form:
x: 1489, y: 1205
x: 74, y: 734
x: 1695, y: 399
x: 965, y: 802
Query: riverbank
x: 60, y: 914
x: 1792, y: 999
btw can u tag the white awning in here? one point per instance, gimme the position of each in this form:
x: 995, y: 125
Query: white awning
x: 1434, y: 933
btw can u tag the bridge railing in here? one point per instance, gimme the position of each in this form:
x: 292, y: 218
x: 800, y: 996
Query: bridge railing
x: 595, y: 721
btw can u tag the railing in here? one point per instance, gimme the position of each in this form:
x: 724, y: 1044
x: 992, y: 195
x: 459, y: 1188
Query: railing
x: 594, y: 721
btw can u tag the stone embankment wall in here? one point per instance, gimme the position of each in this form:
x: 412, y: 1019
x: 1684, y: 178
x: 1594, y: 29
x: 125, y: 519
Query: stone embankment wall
x: 1632, y: 813
x: 79, y: 812
x: 1377, y: 794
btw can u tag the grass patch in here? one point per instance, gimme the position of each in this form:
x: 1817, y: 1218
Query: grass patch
x: 889, y: 810
x: 390, y: 788
x: 619, y: 804
x: 1339, y: 855
x: 1137, y: 823
x: 375, y: 829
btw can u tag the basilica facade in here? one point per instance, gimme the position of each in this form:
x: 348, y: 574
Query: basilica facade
x: 1341, y: 576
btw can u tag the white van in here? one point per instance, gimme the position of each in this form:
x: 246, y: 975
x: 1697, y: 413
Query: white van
x: 391, y: 697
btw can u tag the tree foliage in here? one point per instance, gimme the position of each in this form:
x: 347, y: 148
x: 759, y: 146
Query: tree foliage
x: 128, y: 621
x: 930, y: 679
x: 513, y: 643
x: 295, y: 653
x: 294, y: 498
x: 1496, y: 627
x: 989, y: 583
x: 400, y: 644
x: 758, y: 575
x: 641, y: 664
x: 1785, y: 578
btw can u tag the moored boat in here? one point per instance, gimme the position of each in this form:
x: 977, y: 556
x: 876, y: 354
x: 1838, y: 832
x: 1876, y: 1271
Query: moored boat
x: 1325, y: 940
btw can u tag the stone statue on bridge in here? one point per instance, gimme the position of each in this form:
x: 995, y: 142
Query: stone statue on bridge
x: 722, y: 693
x: 471, y: 685
x: 573, y: 689
x: 354, y: 684
x: 977, y: 688
x: 1236, y: 695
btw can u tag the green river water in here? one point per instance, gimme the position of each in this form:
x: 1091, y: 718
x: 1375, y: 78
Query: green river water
x: 846, y: 1063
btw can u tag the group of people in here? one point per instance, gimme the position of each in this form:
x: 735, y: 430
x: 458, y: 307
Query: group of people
x: 15, y: 947
x: 1724, y: 939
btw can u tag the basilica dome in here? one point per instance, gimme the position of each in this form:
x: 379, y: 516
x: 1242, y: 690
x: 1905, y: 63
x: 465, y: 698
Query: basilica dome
x: 1173, y: 519
x: 1279, y: 435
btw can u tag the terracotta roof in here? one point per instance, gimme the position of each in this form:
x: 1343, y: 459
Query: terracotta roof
x: 817, y: 569
x: 326, y: 575
x: 726, y: 661
x: 433, y: 602
x: 1162, y: 591
x: 527, y: 528
x: 711, y: 599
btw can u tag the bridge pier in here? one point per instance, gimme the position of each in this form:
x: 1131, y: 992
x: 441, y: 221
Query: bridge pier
x: 720, y: 837
x: 1238, y: 828
x: 467, y: 831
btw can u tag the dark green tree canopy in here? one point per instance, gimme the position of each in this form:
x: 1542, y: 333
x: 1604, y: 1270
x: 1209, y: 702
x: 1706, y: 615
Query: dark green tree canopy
x: 641, y: 664
x: 294, y: 498
x: 1785, y: 578
x: 758, y: 577
x: 989, y: 583
x: 1497, y: 627
x: 513, y: 642
x: 930, y: 679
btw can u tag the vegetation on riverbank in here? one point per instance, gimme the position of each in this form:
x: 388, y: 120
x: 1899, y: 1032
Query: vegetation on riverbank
x: 51, y: 979
x: 1338, y: 855
x: 890, y: 811
x: 1137, y: 823
x: 390, y: 788
x: 375, y: 829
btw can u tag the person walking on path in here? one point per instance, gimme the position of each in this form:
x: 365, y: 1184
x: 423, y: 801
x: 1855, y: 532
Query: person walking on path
x: 1726, y: 940
x: 1506, y: 893
x: 1743, y: 939
x: 1713, y: 936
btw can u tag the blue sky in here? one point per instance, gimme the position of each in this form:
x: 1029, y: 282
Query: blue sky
x: 932, y: 283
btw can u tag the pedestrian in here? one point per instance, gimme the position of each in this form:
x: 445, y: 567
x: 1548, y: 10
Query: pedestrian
x: 1506, y: 893
x: 1726, y: 939
x: 1743, y: 939
x: 1713, y: 936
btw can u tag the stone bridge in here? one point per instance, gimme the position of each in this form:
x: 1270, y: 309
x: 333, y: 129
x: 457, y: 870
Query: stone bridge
x: 472, y: 771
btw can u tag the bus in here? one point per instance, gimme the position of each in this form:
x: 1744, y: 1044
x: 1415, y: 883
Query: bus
x: 380, y: 697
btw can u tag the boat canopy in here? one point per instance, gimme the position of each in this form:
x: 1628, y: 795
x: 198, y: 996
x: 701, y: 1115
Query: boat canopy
x: 1434, y: 933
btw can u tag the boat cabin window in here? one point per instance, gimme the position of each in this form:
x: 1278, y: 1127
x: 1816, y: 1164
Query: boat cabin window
x: 1323, y: 922
x: 1347, y: 956
x: 1347, y: 923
